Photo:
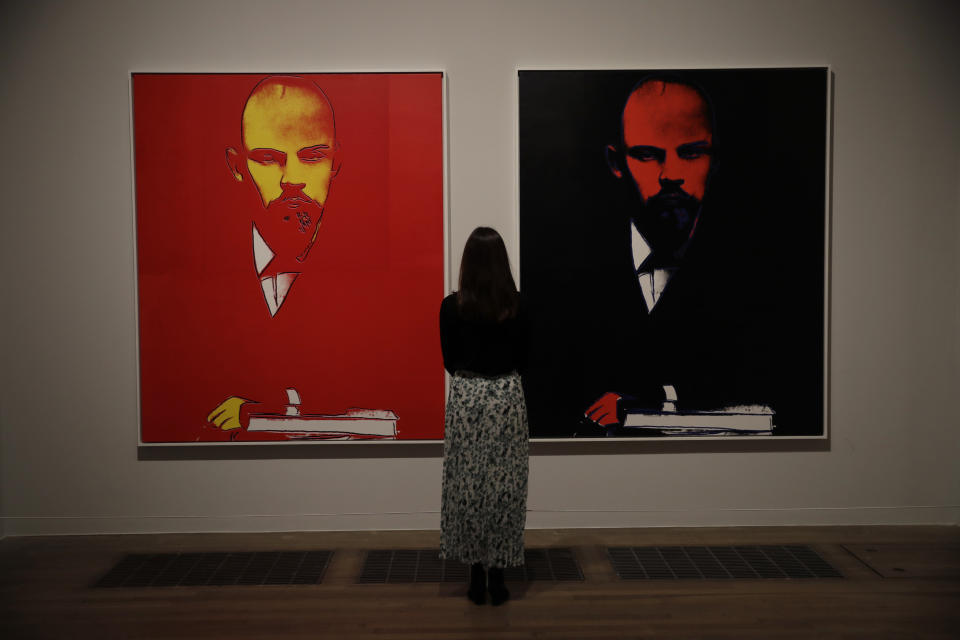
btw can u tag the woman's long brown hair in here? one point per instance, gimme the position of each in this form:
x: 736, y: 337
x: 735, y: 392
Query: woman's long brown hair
x: 486, y: 290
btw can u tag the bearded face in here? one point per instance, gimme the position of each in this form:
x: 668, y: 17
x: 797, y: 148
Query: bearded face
x: 667, y: 221
x: 289, y: 226
x: 667, y: 151
x: 289, y: 153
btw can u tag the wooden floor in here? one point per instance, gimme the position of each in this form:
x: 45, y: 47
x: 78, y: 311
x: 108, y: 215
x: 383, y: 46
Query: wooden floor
x: 900, y: 582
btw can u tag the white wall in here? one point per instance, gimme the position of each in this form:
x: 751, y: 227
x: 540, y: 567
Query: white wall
x: 68, y: 392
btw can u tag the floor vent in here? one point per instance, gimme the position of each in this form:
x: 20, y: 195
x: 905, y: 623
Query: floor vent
x: 719, y: 563
x: 556, y: 564
x: 397, y: 566
x: 218, y: 569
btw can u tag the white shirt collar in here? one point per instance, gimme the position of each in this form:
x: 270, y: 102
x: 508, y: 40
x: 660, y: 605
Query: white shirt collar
x: 652, y: 283
x: 262, y: 254
x: 641, y: 248
x: 275, y: 288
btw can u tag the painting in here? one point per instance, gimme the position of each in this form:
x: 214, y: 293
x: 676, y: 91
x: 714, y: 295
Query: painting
x: 290, y: 256
x: 673, y: 233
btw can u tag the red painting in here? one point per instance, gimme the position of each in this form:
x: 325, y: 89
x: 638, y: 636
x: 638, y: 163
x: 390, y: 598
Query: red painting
x: 290, y: 256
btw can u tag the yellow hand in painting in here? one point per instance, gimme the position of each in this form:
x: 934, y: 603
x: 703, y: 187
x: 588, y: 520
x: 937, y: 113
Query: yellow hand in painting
x: 227, y: 414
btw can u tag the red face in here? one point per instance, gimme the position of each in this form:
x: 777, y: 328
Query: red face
x: 667, y: 139
x: 667, y: 150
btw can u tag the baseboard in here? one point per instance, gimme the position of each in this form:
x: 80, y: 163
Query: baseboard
x: 536, y: 519
x: 815, y: 516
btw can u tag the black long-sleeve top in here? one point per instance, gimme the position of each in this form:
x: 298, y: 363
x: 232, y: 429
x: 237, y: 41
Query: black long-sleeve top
x: 484, y: 347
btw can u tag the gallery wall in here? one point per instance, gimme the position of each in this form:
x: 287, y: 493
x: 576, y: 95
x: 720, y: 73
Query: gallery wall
x: 69, y: 461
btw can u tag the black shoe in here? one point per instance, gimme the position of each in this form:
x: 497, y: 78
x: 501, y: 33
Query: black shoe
x: 498, y: 590
x: 478, y: 584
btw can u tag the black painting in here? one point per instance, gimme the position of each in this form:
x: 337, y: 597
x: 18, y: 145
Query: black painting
x: 672, y: 233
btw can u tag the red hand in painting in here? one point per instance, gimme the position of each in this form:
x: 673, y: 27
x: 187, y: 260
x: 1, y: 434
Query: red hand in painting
x: 604, y: 410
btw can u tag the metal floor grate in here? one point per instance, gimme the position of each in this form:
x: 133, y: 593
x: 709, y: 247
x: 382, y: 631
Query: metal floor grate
x: 409, y: 565
x: 556, y: 564
x: 719, y: 563
x: 395, y: 566
x: 218, y: 569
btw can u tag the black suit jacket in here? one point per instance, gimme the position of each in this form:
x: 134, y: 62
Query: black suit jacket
x: 711, y: 334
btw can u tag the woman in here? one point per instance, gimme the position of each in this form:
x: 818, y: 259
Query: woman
x: 483, y: 339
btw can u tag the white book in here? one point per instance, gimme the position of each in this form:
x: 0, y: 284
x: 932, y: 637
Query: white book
x: 355, y: 423
x: 747, y: 420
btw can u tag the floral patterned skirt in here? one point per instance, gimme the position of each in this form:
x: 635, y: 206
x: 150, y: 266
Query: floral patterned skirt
x: 485, y: 468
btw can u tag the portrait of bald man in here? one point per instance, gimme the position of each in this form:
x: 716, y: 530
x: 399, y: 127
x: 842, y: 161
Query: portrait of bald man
x: 672, y: 247
x: 287, y: 162
x: 289, y: 157
x: 286, y: 256
x: 665, y: 152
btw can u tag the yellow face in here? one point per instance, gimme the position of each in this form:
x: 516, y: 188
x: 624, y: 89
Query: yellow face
x: 290, y: 140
